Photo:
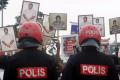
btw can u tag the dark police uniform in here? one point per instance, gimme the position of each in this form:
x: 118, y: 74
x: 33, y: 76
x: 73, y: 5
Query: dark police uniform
x: 31, y: 64
x: 89, y: 64
x: 4, y: 61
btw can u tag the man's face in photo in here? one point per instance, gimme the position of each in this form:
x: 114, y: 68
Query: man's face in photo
x: 85, y: 19
x: 114, y: 22
x: 30, y: 6
x: 58, y: 18
x: 97, y: 20
x: 5, y: 30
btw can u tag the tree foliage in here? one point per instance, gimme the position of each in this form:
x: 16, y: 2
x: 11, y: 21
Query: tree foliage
x: 3, y: 4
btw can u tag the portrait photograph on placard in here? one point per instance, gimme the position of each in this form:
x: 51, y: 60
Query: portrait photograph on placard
x: 114, y: 25
x: 58, y: 21
x: 29, y: 11
x: 7, y: 38
x: 99, y: 22
x: 84, y: 20
x: 68, y: 44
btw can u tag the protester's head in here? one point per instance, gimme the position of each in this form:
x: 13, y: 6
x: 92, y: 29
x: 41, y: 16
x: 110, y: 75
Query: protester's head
x: 6, y: 30
x: 85, y: 19
x: 89, y: 36
x: 58, y: 18
x: 30, y: 6
x: 30, y: 35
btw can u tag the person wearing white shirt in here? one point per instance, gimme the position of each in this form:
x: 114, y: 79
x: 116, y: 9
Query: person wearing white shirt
x: 7, y: 41
x: 58, y: 24
x: 85, y: 22
x: 115, y: 28
x: 29, y: 15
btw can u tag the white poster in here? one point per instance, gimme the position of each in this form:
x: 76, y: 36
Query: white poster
x: 29, y: 12
x: 114, y: 24
x: 84, y: 20
x: 7, y: 38
x: 99, y: 22
x: 68, y: 43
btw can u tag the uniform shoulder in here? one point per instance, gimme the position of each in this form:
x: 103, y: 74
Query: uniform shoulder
x: 74, y: 58
x: 107, y: 58
x: 45, y: 55
x: 16, y: 55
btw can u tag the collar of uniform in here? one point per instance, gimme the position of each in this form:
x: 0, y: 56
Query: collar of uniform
x: 89, y: 50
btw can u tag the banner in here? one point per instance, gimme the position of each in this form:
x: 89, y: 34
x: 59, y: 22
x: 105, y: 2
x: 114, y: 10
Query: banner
x: 114, y: 25
x: 99, y: 22
x: 74, y: 28
x: 68, y: 43
x: 29, y: 11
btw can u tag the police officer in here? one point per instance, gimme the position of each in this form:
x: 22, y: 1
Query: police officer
x: 30, y: 63
x: 89, y: 63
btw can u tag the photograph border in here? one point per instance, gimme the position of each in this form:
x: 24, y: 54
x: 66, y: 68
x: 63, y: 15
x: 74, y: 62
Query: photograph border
x: 62, y: 42
x: 103, y: 24
x: 84, y: 15
x: 110, y: 26
x: 14, y: 39
x: 66, y: 20
x: 22, y: 9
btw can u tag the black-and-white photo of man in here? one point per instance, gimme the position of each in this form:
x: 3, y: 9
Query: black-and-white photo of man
x: 58, y: 21
x: 29, y: 12
x: 8, y: 42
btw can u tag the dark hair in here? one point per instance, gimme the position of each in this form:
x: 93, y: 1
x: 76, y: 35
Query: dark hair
x: 114, y: 21
x: 5, y: 29
x: 97, y: 20
x: 85, y: 17
x: 30, y: 4
x: 58, y: 17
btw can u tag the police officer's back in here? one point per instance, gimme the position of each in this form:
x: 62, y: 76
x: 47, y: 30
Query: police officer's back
x: 30, y: 63
x: 89, y: 63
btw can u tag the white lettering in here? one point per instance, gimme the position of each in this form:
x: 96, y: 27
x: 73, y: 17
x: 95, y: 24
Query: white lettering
x: 90, y: 69
x: 93, y: 70
x: 35, y: 72
x: 96, y: 70
x: 103, y: 71
x: 42, y: 72
x: 84, y: 69
x: 21, y: 72
x: 28, y: 73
